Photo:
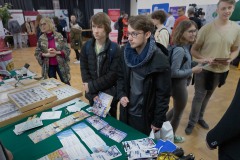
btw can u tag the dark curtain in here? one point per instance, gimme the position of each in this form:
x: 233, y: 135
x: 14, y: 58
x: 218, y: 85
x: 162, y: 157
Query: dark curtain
x: 75, y: 7
x: 84, y: 8
x: 42, y: 4
x: 123, y: 5
x: 25, y: 5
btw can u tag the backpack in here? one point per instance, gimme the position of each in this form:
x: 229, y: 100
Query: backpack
x: 116, y: 25
x: 112, y: 49
x: 169, y: 52
x: 15, y: 27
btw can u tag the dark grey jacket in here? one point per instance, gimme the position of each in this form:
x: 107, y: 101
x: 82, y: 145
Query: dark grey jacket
x: 156, y: 88
x: 226, y: 134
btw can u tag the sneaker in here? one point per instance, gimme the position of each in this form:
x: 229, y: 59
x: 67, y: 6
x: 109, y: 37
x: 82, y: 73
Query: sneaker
x: 179, y: 139
x: 77, y: 62
x: 203, y: 124
x: 189, y: 129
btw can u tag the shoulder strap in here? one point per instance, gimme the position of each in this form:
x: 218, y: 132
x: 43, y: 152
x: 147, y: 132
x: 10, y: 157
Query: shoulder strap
x: 88, y: 44
x: 167, y: 31
x: 183, y: 60
x: 112, y: 50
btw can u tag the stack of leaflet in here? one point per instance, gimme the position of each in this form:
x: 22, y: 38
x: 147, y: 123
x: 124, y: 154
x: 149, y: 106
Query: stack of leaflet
x: 140, y: 148
x: 30, y: 124
x: 89, y: 137
x: 97, y: 122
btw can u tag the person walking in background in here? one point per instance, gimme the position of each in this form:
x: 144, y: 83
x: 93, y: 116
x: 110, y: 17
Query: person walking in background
x: 144, y: 81
x: 219, y: 39
x: 15, y: 29
x: 99, y: 62
x: 202, y: 18
x: 120, y: 28
x: 161, y: 35
x: 181, y: 72
x: 125, y: 28
x: 191, y: 16
x: 63, y: 23
x: 37, y: 27
x: 226, y: 134
x: 170, y: 22
x: 52, y: 52
x: 59, y: 28
x: 75, y: 37
x: 181, y: 17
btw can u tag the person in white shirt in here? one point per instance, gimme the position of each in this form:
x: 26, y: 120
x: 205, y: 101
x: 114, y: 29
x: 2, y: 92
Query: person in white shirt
x: 161, y: 34
x: 170, y: 22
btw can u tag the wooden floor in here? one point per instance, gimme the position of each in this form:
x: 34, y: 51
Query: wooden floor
x: 195, y: 143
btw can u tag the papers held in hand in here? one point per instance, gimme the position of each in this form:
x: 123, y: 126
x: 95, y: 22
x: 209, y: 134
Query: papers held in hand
x: 102, y: 105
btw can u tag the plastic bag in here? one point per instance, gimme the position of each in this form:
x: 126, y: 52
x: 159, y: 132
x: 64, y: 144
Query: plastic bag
x: 165, y: 133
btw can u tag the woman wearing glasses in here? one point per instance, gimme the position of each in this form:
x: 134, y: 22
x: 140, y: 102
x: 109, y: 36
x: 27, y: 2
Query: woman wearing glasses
x: 52, y: 52
x: 181, y: 71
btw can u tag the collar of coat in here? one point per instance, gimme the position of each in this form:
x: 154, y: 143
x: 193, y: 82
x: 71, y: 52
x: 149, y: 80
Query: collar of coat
x: 133, y: 59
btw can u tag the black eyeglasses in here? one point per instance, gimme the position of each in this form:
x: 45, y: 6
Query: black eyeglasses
x: 134, y: 34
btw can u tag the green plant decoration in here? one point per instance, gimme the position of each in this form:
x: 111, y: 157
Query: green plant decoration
x: 5, y: 14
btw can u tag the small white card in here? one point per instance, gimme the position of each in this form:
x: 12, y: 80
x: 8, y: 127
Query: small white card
x: 73, y: 108
x: 50, y: 115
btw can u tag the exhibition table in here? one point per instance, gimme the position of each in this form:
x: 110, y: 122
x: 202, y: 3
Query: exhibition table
x: 23, y: 148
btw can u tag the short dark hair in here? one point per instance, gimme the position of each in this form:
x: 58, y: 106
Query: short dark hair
x: 159, y: 15
x: 170, y: 13
x: 233, y: 2
x: 102, y: 19
x: 141, y: 22
x: 181, y: 28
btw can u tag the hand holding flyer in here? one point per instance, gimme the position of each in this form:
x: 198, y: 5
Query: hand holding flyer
x: 102, y: 105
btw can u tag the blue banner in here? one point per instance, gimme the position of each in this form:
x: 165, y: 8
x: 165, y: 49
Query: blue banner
x: 163, y: 6
x: 144, y: 11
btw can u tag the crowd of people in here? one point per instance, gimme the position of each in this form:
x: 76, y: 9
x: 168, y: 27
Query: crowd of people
x: 138, y: 74
x: 144, y: 79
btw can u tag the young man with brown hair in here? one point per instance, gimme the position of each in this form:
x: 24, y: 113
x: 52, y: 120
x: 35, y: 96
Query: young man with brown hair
x: 99, y: 61
x: 161, y: 35
x: 144, y: 81
x: 217, y: 40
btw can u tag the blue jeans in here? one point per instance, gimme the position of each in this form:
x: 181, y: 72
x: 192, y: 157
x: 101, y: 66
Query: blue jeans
x: 53, y: 69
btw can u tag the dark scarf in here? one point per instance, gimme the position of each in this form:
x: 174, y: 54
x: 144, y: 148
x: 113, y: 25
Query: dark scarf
x: 133, y: 59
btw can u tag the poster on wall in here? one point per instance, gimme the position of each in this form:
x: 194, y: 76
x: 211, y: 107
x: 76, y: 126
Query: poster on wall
x: 163, y: 6
x: 47, y: 13
x: 30, y: 14
x: 17, y: 15
x: 95, y: 11
x: 144, y: 11
x: 210, y: 11
x: 174, y: 11
x: 114, y: 14
x: 62, y: 14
